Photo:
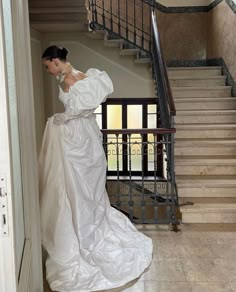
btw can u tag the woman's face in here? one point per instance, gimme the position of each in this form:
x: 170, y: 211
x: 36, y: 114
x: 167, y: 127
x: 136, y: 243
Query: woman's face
x: 51, y: 67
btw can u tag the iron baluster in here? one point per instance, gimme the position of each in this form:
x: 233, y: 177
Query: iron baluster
x: 135, y: 33
x: 118, y: 202
x: 103, y: 14
x: 151, y: 31
x: 172, y: 170
x: 119, y: 31
x: 168, y: 179
x: 155, y: 202
x: 142, y: 167
x: 142, y: 39
x: 131, y: 203
x: 111, y: 16
x: 127, y: 25
x: 95, y: 11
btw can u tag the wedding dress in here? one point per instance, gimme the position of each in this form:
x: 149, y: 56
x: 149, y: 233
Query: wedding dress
x: 90, y: 245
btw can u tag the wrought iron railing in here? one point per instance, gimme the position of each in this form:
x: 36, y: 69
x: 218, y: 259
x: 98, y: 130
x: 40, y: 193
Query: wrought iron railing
x: 144, y: 199
x: 135, y: 22
x: 166, y: 101
x: 126, y: 19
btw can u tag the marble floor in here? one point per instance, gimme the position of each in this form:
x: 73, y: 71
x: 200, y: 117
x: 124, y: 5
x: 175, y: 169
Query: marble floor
x: 199, y: 258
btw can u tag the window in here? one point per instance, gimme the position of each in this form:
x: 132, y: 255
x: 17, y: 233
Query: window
x: 130, y: 113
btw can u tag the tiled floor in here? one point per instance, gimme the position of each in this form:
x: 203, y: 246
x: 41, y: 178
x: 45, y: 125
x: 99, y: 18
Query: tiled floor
x: 199, y: 258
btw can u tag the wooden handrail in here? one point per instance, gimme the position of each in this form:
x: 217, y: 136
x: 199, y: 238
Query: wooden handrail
x: 163, y: 69
x: 139, y: 131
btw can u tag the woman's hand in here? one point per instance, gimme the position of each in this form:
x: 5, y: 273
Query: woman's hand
x: 59, y: 119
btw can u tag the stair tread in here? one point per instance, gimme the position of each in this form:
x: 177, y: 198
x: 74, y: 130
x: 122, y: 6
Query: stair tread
x: 205, y: 126
x: 205, y: 99
x: 179, y: 88
x: 197, y: 77
x: 213, y: 207
x: 114, y: 40
x: 197, y: 98
x: 205, y: 111
x: 142, y: 60
x: 208, y: 157
x: 195, y: 68
x: 130, y: 50
x: 206, y: 180
x: 202, y: 140
x: 211, y: 144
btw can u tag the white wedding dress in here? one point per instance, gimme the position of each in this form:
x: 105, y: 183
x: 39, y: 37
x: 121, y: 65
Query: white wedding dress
x: 90, y: 245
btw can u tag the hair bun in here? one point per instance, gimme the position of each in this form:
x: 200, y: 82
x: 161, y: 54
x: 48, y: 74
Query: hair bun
x: 65, y: 52
x: 55, y: 52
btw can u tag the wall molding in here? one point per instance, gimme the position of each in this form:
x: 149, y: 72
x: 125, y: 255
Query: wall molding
x: 232, y: 5
x: 194, y: 9
x: 208, y: 62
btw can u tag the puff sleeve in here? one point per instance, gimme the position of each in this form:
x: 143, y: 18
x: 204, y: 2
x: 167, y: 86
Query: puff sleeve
x: 89, y: 93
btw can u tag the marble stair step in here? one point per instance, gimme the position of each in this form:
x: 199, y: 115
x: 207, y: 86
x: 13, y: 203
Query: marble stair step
x: 198, y: 81
x: 97, y: 35
x: 206, y: 117
x: 194, y: 71
x: 209, y: 213
x: 200, y: 165
x: 60, y: 3
x: 129, y: 52
x: 113, y: 43
x: 206, y: 200
x: 193, y: 186
x: 213, y: 91
x: 201, y: 131
x: 205, y: 103
x: 142, y: 61
x: 205, y: 147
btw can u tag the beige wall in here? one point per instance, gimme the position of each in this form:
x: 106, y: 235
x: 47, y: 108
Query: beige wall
x: 37, y: 85
x: 183, y: 35
x: 221, y: 36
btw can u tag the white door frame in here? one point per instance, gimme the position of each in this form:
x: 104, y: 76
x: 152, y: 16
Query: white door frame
x: 31, y: 266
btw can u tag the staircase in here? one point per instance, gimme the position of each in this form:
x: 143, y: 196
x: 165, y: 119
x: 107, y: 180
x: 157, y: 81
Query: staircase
x: 205, y: 150
x: 125, y: 49
x: 58, y: 16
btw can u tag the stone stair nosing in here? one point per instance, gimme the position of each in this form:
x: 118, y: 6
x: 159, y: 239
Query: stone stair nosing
x: 142, y: 61
x: 197, y: 81
x: 129, y: 52
x: 206, y: 187
x: 220, y: 131
x: 205, y: 116
x: 202, y: 103
x: 194, y: 71
x: 217, y: 91
x: 200, y: 165
x: 113, y: 43
x: 205, y: 147
x: 209, y: 213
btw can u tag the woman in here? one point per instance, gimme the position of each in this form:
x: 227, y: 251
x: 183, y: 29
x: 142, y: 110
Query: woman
x: 90, y: 245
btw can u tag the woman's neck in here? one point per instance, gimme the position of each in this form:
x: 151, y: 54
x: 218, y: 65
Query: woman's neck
x: 65, y: 70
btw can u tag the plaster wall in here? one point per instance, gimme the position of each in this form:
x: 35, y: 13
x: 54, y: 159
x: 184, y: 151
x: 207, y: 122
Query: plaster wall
x: 37, y: 85
x: 221, y: 35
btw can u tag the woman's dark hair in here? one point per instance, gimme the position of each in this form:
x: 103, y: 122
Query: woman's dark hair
x: 55, y: 52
